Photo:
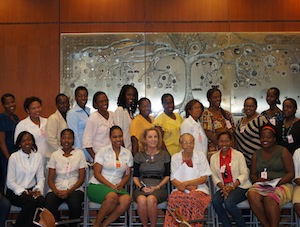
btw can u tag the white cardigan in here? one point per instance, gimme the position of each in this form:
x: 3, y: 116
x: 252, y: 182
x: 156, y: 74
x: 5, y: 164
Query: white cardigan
x: 239, y: 169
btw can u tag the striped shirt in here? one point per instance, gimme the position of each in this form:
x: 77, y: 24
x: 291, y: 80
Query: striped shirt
x: 247, y: 136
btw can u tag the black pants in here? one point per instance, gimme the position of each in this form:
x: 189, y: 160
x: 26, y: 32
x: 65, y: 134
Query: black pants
x: 28, y: 205
x: 74, y: 202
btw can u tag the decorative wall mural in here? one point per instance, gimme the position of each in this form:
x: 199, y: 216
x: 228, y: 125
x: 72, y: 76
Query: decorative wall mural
x: 183, y: 64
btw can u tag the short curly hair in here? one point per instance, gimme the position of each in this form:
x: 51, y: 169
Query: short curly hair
x: 30, y: 100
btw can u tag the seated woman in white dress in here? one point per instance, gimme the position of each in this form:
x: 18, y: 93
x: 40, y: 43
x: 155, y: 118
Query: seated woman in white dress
x: 66, y: 176
x: 111, y: 173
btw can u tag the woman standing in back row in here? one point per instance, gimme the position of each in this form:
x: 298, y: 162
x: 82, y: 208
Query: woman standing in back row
x: 8, y: 122
x: 191, y: 124
x: 169, y: 123
x: 215, y: 119
x: 34, y: 123
x: 289, y: 129
x: 273, y: 114
x: 124, y: 114
x: 247, y: 129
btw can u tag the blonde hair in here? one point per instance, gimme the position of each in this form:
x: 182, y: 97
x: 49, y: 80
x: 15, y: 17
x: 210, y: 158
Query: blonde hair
x: 144, y: 135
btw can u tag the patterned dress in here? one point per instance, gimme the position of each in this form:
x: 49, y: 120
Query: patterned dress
x: 190, y: 204
x: 214, y: 123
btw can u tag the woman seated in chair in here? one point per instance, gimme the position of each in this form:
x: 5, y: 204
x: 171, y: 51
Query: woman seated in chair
x: 231, y: 176
x: 111, y: 173
x: 66, y: 176
x: 25, y: 179
x: 189, y: 171
x: 151, y: 174
x: 271, y: 162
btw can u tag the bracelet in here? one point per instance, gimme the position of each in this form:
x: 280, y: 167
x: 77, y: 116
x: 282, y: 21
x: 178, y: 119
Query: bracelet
x: 141, y: 187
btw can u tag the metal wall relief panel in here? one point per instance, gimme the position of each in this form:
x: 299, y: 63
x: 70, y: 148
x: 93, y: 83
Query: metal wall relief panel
x: 183, y: 64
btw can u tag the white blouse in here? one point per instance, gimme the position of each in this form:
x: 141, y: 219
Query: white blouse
x: 123, y: 120
x: 67, y: 168
x: 96, y: 132
x: 39, y: 132
x: 200, y: 166
x: 189, y: 125
x: 110, y: 170
x: 25, y: 171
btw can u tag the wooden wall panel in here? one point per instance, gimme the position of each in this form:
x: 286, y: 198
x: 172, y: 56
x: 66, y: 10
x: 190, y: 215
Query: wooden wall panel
x: 188, y: 27
x: 258, y: 10
x: 101, y: 11
x: 29, y: 63
x: 29, y: 11
x: 105, y: 27
x: 186, y: 10
x: 30, y: 31
x: 265, y: 26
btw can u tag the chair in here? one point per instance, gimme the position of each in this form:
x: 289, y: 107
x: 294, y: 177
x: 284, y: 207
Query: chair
x: 133, y: 216
x: 289, y: 218
x: 297, y: 221
x: 210, y: 213
x: 91, y: 206
x: 13, y: 210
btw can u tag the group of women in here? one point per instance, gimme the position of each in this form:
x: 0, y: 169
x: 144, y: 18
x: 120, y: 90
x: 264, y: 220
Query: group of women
x: 186, y: 151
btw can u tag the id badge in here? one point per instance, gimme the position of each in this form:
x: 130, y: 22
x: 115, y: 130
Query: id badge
x: 118, y: 164
x: 228, y: 124
x: 200, y: 138
x: 273, y: 121
x: 222, y: 169
x: 242, y: 129
x: 290, y: 138
x: 264, y: 174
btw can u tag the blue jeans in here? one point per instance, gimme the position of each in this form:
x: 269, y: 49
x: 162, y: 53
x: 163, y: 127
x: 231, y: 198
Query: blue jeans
x: 235, y: 197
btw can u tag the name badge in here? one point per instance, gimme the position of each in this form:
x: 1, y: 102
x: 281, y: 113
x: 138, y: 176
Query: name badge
x: 222, y: 169
x: 118, y: 164
x: 200, y: 138
x: 242, y: 129
x: 273, y: 121
x: 264, y: 174
x: 228, y: 124
x: 290, y: 138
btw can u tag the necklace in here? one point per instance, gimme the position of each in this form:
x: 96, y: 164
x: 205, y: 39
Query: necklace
x: 284, y: 136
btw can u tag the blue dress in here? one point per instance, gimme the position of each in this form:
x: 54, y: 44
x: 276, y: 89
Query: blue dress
x: 7, y: 126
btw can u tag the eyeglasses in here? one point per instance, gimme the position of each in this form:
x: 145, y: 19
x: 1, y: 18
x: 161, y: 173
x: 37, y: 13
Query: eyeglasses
x: 188, y: 142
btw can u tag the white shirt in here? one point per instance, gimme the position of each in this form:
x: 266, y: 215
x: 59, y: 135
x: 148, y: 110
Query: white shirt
x: 25, y: 171
x: 107, y: 158
x: 96, y: 132
x: 38, y: 132
x: 189, y: 125
x: 55, y: 124
x: 123, y: 119
x: 200, y: 166
x: 67, y: 168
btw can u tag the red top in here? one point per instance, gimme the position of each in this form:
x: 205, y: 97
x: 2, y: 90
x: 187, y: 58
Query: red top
x: 226, y: 161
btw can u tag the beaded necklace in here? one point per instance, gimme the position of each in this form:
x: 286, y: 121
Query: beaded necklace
x: 284, y: 137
